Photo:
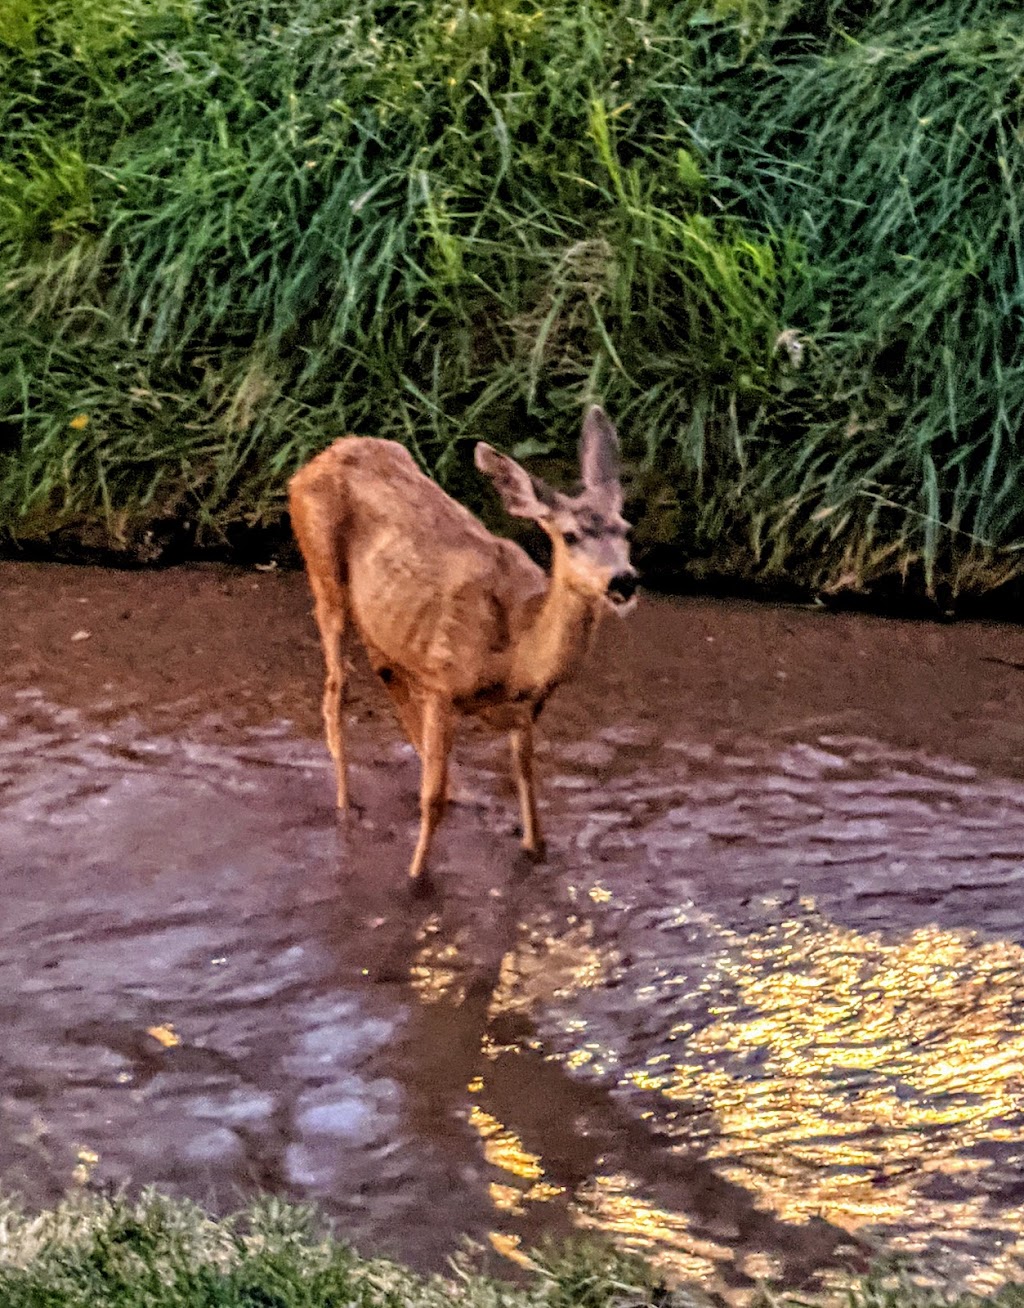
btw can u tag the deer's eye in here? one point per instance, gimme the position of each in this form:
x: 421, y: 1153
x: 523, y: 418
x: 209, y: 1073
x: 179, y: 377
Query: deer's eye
x: 572, y: 538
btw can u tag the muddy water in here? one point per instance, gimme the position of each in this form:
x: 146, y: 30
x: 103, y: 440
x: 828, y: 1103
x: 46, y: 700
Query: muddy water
x: 761, y: 1008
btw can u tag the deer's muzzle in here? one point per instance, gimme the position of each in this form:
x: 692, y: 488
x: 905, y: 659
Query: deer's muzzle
x: 622, y: 587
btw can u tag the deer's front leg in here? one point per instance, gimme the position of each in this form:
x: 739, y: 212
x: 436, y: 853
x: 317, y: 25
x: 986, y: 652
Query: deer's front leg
x: 521, y: 739
x: 436, y: 743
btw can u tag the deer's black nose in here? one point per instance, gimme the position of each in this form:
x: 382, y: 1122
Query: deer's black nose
x: 623, y: 585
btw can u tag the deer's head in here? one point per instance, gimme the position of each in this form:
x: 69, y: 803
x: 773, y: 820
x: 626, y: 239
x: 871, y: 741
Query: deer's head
x: 588, y: 532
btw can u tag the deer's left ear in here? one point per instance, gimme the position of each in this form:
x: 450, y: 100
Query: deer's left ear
x: 522, y: 495
x: 599, y: 457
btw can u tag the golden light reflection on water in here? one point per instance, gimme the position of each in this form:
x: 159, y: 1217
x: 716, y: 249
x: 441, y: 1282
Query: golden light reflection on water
x: 542, y: 967
x: 503, y: 1148
x: 545, y: 967
x: 612, y: 1206
x: 609, y: 1204
x: 840, y: 1075
x: 525, y: 1184
x: 843, y: 1073
x: 435, y: 973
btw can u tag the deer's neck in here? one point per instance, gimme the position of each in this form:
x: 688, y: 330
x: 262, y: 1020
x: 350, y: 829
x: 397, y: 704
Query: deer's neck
x: 554, y: 646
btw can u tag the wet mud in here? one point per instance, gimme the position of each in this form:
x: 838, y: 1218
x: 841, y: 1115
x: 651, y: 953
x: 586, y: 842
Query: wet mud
x: 759, y: 1013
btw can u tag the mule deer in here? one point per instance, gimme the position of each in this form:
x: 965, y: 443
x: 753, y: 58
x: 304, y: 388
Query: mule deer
x: 454, y: 619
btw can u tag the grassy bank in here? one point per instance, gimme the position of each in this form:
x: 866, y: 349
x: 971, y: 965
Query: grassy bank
x: 779, y: 238
x: 155, y: 1253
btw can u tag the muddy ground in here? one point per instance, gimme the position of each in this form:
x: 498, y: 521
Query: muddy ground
x: 766, y: 994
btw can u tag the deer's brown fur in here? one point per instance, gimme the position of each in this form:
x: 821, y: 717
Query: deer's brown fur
x: 454, y: 619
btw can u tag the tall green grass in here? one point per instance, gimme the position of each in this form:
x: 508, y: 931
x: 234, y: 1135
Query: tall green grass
x: 232, y: 230
x: 895, y: 161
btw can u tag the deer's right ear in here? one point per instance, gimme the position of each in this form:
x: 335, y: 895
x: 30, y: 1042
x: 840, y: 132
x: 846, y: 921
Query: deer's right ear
x: 522, y: 495
x: 599, y: 457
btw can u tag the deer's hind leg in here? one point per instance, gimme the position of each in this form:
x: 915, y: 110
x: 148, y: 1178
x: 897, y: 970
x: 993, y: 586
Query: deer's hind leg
x: 436, y: 745
x: 317, y: 537
x: 408, y: 706
x: 330, y: 618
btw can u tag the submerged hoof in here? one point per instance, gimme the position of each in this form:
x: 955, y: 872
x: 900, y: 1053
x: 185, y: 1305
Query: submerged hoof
x: 422, y: 886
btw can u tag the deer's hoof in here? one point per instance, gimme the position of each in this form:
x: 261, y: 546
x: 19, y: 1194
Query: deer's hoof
x: 421, y: 886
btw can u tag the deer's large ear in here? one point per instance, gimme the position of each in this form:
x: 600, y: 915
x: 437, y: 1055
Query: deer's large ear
x: 522, y: 495
x: 599, y: 455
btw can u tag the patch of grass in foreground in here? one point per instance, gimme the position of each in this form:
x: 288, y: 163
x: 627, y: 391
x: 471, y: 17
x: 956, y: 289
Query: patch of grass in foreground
x: 164, y: 1254
x: 157, y: 1253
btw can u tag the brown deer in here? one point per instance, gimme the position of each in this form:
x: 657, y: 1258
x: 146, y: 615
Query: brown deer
x: 454, y: 619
